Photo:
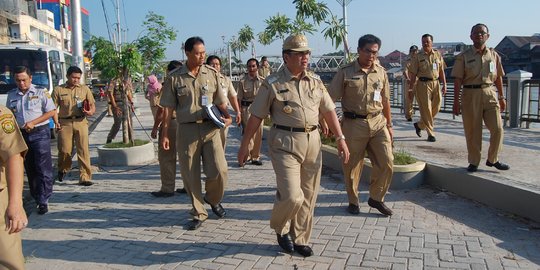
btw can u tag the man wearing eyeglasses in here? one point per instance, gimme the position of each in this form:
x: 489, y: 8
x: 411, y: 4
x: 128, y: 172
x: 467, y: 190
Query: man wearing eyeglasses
x: 364, y: 91
x: 294, y: 97
x: 247, y: 90
x: 426, y: 73
x: 479, y: 71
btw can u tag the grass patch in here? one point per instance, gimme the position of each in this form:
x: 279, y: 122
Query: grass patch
x: 402, y: 157
x: 114, y: 145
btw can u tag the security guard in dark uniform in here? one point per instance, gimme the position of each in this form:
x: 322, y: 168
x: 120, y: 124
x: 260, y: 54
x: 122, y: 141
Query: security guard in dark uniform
x: 33, y: 107
x: 479, y: 71
x: 364, y: 91
x: 12, y: 216
x: 188, y: 90
x: 294, y: 97
x: 71, y: 99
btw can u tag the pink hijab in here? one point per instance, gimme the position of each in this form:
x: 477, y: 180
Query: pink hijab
x: 153, y: 85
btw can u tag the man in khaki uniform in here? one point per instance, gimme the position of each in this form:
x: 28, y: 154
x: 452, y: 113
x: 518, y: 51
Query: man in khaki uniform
x: 188, y: 90
x: 120, y: 110
x: 228, y: 90
x: 294, y: 97
x: 428, y: 66
x: 264, y: 69
x: 407, y: 88
x: 75, y: 102
x: 479, y: 71
x: 367, y: 123
x: 166, y: 158
x: 12, y: 215
x: 247, y: 91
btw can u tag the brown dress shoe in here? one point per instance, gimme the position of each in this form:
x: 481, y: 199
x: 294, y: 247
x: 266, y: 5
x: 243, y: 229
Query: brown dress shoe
x: 380, y: 206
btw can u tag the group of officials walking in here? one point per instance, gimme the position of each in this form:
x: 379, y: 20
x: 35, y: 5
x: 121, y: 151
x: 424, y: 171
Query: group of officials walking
x: 297, y: 102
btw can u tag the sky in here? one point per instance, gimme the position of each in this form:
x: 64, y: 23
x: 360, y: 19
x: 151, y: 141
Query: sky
x: 399, y: 24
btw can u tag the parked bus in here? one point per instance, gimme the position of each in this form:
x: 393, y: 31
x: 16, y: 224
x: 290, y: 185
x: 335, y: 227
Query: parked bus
x: 48, y: 66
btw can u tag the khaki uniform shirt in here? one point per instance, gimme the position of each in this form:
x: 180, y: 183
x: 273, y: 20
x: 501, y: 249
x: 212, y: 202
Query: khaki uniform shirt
x: 360, y: 92
x: 291, y: 101
x: 157, y: 97
x: 227, y: 86
x: 478, y: 67
x: 11, y: 142
x: 427, y: 65
x: 70, y: 101
x: 264, y: 71
x: 187, y: 93
x: 249, y: 87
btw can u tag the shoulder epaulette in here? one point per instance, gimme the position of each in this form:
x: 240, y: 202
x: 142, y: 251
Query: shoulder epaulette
x: 272, y: 78
x: 314, y: 75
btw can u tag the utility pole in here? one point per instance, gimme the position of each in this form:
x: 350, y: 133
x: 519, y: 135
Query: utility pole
x: 76, y: 35
x: 344, y: 4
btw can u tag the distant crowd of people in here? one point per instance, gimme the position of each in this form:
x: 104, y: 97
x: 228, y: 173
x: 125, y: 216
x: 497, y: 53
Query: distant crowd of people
x: 299, y: 105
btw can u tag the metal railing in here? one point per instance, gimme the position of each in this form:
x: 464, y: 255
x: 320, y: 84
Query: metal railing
x: 530, y: 101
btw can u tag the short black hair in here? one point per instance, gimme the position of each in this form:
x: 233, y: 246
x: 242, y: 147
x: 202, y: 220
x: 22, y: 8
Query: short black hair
x: 74, y: 69
x: 190, y: 42
x: 479, y: 25
x: 427, y: 35
x: 22, y: 69
x: 368, y: 39
x: 211, y: 58
x: 173, y: 64
x: 252, y: 59
x: 413, y: 48
x: 264, y: 58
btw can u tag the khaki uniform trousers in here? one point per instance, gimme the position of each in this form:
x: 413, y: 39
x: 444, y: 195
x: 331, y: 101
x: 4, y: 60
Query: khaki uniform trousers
x: 255, y: 142
x: 428, y: 96
x: 193, y: 142
x: 297, y: 161
x: 409, y: 101
x: 116, y: 124
x: 223, y: 134
x: 74, y: 129
x: 11, y: 255
x: 478, y: 105
x: 167, y: 159
x: 369, y: 135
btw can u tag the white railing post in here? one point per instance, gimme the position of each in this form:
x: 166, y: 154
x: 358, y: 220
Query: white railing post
x: 516, y: 97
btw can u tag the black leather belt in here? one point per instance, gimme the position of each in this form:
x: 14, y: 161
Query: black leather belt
x: 72, y: 117
x: 294, y: 129
x: 46, y: 126
x: 478, y: 86
x: 352, y: 115
x: 426, y: 79
x: 245, y: 103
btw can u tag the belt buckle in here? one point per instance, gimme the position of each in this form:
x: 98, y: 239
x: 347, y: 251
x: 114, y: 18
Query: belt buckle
x: 199, y: 121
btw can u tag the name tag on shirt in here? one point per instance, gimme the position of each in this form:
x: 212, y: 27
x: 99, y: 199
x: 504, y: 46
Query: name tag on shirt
x: 204, y: 100
x: 435, y: 67
x: 377, y: 96
x: 491, y: 67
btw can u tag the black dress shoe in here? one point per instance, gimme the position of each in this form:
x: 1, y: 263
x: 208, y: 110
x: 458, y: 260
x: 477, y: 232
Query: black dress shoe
x: 285, y: 242
x: 409, y: 119
x: 161, y: 194
x: 217, y: 209
x: 353, y: 209
x: 194, y: 224
x: 498, y: 165
x: 380, y: 206
x: 61, y: 176
x: 417, y: 129
x: 431, y: 139
x: 181, y: 190
x: 256, y: 162
x: 86, y: 183
x: 305, y: 251
x: 472, y: 168
x: 42, y: 209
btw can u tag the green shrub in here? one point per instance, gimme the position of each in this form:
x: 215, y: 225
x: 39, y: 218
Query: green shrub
x: 136, y: 142
x: 402, y: 157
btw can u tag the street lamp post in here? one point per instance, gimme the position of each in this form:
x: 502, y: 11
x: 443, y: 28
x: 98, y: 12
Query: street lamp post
x: 344, y: 4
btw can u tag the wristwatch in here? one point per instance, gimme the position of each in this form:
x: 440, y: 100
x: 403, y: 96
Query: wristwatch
x: 340, y: 137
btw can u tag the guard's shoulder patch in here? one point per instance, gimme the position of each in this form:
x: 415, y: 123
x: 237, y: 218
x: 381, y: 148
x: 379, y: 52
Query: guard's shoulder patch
x: 8, y: 125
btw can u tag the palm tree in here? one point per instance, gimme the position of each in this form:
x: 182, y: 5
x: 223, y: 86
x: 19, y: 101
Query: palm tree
x: 277, y: 27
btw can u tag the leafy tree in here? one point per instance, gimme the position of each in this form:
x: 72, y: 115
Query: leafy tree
x: 277, y: 27
x: 152, y: 45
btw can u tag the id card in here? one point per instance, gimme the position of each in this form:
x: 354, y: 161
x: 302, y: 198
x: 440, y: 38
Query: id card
x: 435, y: 67
x: 491, y: 67
x: 204, y: 100
x: 377, y: 96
